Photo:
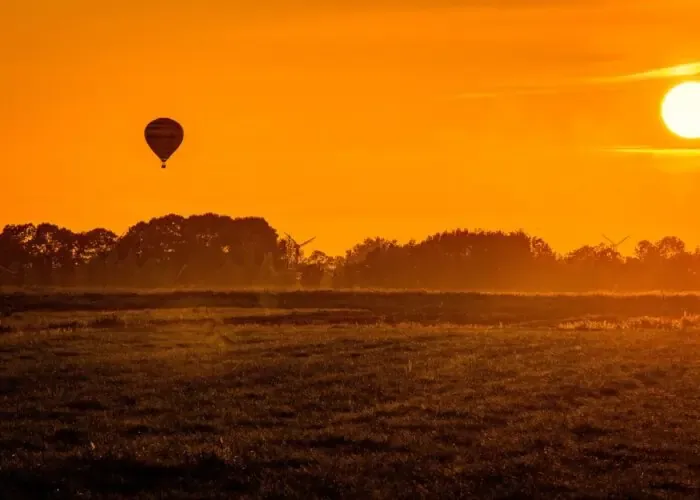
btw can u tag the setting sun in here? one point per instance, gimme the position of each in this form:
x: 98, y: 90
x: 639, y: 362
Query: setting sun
x: 680, y: 110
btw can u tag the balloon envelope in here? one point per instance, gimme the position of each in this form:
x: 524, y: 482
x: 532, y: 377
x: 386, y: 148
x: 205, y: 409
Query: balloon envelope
x: 164, y: 136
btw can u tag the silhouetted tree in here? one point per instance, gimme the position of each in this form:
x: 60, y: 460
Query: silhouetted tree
x: 217, y: 250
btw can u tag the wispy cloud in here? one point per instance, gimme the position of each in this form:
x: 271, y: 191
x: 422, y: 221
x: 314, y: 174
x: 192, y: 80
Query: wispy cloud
x: 650, y: 151
x: 667, y: 73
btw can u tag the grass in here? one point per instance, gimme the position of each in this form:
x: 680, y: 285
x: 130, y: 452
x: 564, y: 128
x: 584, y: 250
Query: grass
x: 211, y: 402
x: 387, y: 307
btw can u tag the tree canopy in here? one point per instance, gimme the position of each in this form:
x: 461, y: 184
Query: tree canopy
x: 217, y: 250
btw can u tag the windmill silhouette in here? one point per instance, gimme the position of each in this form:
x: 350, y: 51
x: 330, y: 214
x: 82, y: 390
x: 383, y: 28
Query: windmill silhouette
x: 8, y: 270
x: 614, y: 245
x: 293, y: 250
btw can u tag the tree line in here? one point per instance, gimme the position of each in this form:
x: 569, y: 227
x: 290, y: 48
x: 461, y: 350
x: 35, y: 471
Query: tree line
x: 217, y: 250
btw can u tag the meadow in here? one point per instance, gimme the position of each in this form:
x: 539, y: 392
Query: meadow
x: 263, y: 394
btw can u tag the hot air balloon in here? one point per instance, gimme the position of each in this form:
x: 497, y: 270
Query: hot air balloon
x: 164, y: 136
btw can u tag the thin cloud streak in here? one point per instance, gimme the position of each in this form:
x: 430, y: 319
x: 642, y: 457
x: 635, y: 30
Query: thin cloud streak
x: 676, y: 152
x: 678, y: 71
x: 670, y: 72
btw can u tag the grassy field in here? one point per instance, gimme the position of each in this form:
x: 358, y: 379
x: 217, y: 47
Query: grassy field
x: 370, y: 306
x: 326, y: 396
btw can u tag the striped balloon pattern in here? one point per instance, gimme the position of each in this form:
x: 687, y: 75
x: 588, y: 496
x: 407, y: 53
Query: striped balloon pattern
x: 164, y: 136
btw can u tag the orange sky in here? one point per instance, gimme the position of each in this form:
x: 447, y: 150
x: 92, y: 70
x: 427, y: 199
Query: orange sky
x: 350, y: 120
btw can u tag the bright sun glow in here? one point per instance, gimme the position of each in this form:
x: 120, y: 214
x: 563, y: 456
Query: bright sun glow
x: 680, y: 110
